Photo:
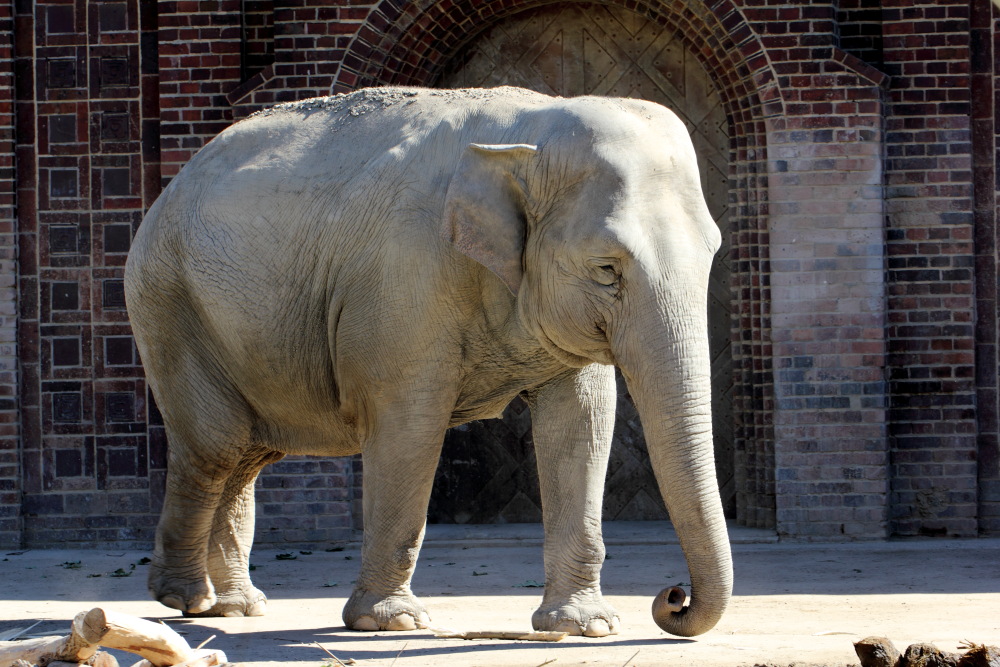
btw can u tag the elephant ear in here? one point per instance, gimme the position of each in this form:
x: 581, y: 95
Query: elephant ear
x: 484, y: 216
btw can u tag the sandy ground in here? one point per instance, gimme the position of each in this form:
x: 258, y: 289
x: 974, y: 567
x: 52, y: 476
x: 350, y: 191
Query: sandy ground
x: 794, y: 602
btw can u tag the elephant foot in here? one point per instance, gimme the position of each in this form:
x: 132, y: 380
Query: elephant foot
x: 186, y: 594
x: 585, y: 615
x: 247, y: 601
x: 370, y: 612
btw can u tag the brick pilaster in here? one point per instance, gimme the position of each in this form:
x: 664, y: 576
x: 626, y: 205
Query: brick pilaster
x: 827, y: 279
x: 10, y: 498
x: 931, y: 266
x: 985, y: 48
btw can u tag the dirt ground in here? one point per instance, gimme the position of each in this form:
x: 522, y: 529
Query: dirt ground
x: 798, y: 602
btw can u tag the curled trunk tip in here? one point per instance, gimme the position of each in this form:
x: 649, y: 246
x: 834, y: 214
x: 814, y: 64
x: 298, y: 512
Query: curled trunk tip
x: 671, y: 614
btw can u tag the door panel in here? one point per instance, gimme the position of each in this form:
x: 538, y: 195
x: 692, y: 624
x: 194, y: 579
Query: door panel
x: 487, y: 472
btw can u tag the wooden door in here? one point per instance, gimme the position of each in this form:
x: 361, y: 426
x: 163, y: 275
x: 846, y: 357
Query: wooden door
x: 487, y: 472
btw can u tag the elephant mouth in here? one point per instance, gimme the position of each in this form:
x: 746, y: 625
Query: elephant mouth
x: 600, y: 353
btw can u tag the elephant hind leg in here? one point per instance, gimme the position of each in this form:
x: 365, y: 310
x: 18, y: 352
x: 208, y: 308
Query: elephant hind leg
x: 209, y: 434
x: 231, y: 541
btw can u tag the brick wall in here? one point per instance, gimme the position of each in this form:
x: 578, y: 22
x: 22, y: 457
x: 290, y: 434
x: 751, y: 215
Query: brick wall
x: 985, y: 50
x: 864, y: 289
x: 10, y: 499
x: 932, y: 419
x: 827, y: 279
x: 86, y: 459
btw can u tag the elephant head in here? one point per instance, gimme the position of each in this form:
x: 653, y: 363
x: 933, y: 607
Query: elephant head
x: 598, y: 225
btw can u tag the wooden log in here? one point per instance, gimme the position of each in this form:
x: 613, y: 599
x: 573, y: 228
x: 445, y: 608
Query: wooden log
x: 876, y: 652
x: 79, y: 646
x: 155, y: 642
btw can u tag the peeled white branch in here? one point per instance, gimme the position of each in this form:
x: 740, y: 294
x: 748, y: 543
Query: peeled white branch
x: 155, y: 642
x: 79, y: 646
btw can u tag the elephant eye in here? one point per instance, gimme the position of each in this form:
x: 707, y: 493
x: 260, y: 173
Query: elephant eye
x: 605, y: 272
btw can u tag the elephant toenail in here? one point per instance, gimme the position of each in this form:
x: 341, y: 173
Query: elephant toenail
x: 569, y: 627
x: 173, y: 601
x: 597, y: 627
x: 402, y: 622
x: 365, y: 624
x: 204, y: 605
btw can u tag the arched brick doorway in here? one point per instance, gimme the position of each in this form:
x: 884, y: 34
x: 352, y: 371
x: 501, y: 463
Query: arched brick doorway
x: 487, y: 471
x: 405, y: 43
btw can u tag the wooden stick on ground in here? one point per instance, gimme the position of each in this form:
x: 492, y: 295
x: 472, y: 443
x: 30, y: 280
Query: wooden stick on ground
x: 202, y: 658
x: 502, y: 634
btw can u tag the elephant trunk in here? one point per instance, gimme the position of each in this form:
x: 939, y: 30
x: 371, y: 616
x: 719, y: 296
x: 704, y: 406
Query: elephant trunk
x: 671, y: 388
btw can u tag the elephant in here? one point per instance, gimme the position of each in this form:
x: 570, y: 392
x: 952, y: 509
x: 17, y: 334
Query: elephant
x: 358, y: 273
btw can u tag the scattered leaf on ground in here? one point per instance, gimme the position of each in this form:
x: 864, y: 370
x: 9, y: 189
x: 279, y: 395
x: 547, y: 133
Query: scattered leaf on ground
x: 286, y: 556
x: 479, y: 574
x: 144, y: 561
x: 120, y: 573
x: 306, y: 553
x: 71, y: 565
x: 529, y: 583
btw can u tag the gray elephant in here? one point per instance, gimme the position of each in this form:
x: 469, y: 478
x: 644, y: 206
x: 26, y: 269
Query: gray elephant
x: 359, y: 273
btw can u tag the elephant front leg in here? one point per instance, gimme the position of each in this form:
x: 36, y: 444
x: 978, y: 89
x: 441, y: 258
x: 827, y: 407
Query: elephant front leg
x: 398, y: 477
x: 573, y: 420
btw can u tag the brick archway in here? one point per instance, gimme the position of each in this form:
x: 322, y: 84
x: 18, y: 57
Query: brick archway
x: 411, y: 43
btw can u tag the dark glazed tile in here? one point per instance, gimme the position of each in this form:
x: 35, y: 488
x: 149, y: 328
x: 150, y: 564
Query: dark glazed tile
x: 114, y: 72
x: 65, y: 351
x: 119, y: 408
x: 121, y: 463
x: 67, y: 407
x: 114, y: 127
x: 117, y: 238
x: 115, y: 182
x: 62, y: 129
x: 113, y: 17
x: 118, y: 351
x: 63, y: 183
x: 59, y: 19
x: 62, y: 240
x: 65, y: 296
x: 61, y: 73
x: 69, y: 463
x: 114, y: 295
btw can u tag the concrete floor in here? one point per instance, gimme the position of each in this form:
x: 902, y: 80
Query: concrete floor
x: 804, y: 602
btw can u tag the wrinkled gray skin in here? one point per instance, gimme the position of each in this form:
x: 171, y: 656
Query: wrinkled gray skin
x: 359, y: 273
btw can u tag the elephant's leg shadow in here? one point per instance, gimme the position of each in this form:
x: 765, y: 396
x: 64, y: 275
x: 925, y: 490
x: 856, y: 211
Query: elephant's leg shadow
x: 228, y: 557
